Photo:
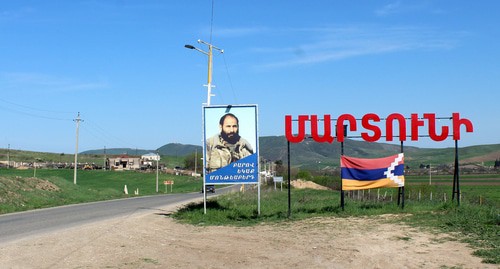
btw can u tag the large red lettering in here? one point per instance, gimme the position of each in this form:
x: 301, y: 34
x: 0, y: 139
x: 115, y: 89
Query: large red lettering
x: 432, y: 128
x: 340, y: 125
x: 302, y: 129
x: 368, y: 123
x: 365, y: 122
x: 415, y: 123
x: 457, y: 121
x: 327, y: 125
x: 389, y: 127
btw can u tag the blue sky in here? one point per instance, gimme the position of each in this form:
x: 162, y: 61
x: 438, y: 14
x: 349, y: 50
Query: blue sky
x: 123, y: 66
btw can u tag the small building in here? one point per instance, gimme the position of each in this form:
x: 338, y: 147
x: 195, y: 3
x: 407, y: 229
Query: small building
x: 149, y: 159
x: 125, y: 163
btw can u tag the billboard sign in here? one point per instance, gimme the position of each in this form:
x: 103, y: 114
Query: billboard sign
x: 231, y: 146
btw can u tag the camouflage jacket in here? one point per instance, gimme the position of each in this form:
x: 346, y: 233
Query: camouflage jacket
x: 221, y: 153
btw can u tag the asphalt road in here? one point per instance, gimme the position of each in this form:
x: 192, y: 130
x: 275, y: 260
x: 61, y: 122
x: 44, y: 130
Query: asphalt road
x: 24, y: 224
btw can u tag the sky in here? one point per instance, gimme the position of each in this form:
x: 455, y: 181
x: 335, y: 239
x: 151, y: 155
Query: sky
x: 123, y: 66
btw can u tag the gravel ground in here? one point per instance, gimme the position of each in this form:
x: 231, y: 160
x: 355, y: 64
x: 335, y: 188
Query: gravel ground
x: 155, y: 240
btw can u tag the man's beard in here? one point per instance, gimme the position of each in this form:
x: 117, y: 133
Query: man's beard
x: 231, y: 140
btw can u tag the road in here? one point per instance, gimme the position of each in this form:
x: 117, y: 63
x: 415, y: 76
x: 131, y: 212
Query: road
x: 24, y: 224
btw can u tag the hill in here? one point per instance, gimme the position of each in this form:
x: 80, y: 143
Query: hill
x: 117, y: 151
x: 307, y: 155
x: 171, y: 149
x: 312, y: 155
x: 179, y: 150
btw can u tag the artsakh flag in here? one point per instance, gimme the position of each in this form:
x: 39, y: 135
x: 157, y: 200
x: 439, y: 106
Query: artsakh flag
x: 360, y: 174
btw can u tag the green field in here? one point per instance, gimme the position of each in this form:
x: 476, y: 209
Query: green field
x: 29, y: 189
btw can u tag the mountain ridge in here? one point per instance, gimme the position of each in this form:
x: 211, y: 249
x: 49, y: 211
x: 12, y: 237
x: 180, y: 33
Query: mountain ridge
x: 310, y: 154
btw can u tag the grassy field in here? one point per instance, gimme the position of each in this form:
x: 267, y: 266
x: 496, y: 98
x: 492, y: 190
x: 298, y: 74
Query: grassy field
x: 476, y: 221
x: 26, y: 189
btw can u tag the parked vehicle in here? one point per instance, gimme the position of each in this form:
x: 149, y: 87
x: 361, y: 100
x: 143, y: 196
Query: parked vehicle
x: 209, y: 188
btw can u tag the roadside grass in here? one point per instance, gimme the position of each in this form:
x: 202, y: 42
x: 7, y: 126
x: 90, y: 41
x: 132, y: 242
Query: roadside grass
x: 478, y: 225
x: 20, y: 190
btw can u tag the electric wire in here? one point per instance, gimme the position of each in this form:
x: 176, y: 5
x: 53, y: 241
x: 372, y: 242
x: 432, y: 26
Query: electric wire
x: 229, y: 79
x: 37, y: 109
x: 212, y: 21
x: 39, y: 116
x: 88, y: 128
x: 101, y: 134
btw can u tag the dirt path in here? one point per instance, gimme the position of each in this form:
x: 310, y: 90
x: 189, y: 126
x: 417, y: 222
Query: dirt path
x: 154, y: 240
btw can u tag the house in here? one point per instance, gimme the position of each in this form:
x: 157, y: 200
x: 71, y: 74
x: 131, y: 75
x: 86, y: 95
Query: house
x: 149, y: 159
x: 124, y: 162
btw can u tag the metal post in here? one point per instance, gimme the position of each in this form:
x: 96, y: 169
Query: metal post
x: 342, y: 194
x: 289, y: 185
x: 456, y: 177
x: 402, y: 188
x: 258, y: 196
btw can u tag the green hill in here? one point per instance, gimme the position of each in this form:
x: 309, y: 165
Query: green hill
x: 312, y: 155
x: 307, y: 155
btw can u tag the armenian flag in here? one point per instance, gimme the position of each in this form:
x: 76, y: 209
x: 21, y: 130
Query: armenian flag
x: 360, y: 174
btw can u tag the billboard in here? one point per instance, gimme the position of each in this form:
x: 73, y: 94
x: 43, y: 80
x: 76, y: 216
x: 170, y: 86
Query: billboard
x: 231, y: 146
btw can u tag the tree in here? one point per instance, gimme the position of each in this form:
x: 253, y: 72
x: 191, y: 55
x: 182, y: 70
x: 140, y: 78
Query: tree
x: 190, y: 161
x: 280, y: 170
x: 304, y: 174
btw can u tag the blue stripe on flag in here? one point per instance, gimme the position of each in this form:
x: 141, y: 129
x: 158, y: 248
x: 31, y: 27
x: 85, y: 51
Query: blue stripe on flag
x: 369, y: 174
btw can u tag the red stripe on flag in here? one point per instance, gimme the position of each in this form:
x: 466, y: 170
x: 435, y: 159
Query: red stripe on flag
x: 361, y: 163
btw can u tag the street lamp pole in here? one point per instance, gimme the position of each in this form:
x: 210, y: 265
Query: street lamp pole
x: 209, y: 54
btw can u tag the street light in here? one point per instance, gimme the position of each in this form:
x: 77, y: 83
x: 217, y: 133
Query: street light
x: 209, y: 54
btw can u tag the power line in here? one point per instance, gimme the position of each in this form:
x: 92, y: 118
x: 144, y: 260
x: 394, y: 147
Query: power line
x: 32, y: 111
x: 229, y: 78
x: 100, y: 133
x: 34, y: 115
x: 212, y: 21
x: 37, y: 109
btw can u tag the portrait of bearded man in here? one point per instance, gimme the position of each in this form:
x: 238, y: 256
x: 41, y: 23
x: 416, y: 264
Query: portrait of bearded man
x: 227, y: 146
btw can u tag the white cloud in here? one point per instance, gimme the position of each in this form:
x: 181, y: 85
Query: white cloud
x: 336, y: 43
x: 39, y: 82
x: 389, y: 9
x: 241, y: 31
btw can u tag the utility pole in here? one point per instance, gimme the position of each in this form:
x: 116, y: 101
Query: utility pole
x: 8, y: 157
x: 104, y: 166
x: 157, y: 164
x: 77, y: 120
x: 430, y: 175
x: 210, y: 55
x: 196, y: 162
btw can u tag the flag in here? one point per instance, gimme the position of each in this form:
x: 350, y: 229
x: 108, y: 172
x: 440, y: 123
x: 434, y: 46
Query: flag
x: 360, y: 174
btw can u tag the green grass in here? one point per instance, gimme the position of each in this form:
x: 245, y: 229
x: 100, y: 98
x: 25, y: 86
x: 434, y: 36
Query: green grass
x: 475, y: 224
x: 20, y: 191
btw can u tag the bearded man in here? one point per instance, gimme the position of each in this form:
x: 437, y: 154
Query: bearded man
x: 227, y: 146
